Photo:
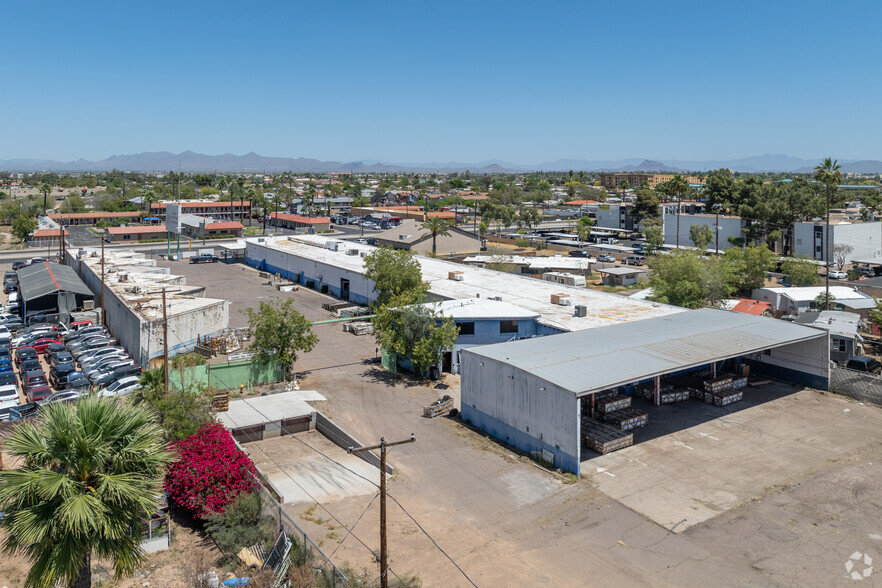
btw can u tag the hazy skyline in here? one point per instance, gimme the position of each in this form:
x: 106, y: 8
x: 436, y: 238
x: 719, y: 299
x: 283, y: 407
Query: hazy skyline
x: 441, y: 81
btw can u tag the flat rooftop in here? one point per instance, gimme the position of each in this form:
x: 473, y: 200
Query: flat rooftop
x: 603, y: 309
x: 580, y: 264
x: 139, y: 283
x: 249, y: 412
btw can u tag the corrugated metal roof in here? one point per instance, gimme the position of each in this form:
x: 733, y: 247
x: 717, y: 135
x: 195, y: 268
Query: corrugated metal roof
x: 597, y: 359
x: 45, y: 278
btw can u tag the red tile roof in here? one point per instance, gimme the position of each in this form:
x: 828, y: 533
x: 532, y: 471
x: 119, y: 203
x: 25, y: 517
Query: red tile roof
x: 223, y: 226
x: 137, y: 230
x: 578, y: 202
x: 304, y: 220
x: 63, y: 216
x: 754, y: 307
x: 48, y: 233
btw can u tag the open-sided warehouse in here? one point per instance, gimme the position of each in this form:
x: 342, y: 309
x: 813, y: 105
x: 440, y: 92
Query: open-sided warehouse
x: 530, y: 393
x: 52, y: 287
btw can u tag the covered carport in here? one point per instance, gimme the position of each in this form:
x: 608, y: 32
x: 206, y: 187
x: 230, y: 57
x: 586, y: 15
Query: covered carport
x: 52, y: 288
x: 539, y: 394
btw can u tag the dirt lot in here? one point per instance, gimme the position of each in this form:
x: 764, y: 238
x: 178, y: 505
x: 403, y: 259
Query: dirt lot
x: 801, y: 467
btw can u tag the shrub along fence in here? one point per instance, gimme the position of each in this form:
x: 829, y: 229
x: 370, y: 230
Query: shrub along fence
x: 228, y: 375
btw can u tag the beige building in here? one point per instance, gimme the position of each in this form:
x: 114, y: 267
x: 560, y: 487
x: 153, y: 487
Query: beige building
x: 411, y: 236
x: 612, y: 181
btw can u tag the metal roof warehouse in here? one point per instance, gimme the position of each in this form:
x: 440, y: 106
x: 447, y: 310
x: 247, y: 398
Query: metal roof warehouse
x: 528, y: 392
x: 51, y: 287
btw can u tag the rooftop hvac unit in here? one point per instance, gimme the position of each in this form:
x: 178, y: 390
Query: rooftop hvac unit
x: 455, y: 276
x: 363, y: 254
x: 88, y: 305
x: 496, y: 298
x: 352, y: 252
x: 561, y: 299
x: 581, y: 310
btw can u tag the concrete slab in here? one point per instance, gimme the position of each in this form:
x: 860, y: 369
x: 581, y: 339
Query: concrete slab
x: 683, y: 478
x: 308, y: 467
x: 248, y: 412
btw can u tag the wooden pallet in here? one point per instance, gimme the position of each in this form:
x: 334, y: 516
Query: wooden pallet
x: 613, y: 403
x: 439, y: 407
x: 675, y: 396
x: 727, y: 398
x: 718, y: 385
x: 221, y: 401
x: 739, y: 382
x: 627, y: 418
x: 604, y: 438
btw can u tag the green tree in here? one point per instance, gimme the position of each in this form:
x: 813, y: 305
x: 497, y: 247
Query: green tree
x: 690, y: 280
x: 828, y: 173
x: 182, y: 411
x: 279, y: 331
x: 655, y: 235
x: 749, y: 267
x: 823, y: 301
x: 436, y: 225
x: 719, y: 189
x: 583, y: 228
x: 876, y: 313
x: 22, y: 226
x: 701, y: 236
x: 646, y: 203
x: 72, y: 204
x: 46, y: 189
x: 800, y: 271
x: 396, y: 274
x: 90, y: 476
x: 415, y: 331
x: 238, y: 526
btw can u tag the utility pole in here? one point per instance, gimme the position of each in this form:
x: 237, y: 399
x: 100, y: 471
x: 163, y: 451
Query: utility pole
x: 384, y: 555
x: 717, y: 230
x: 103, y: 311
x: 164, y: 342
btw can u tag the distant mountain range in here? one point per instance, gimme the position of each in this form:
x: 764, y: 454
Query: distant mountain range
x: 190, y: 161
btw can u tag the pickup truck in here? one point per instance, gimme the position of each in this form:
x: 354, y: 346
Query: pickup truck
x: 204, y: 258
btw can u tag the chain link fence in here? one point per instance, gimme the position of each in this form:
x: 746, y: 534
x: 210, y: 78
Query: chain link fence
x: 858, y: 385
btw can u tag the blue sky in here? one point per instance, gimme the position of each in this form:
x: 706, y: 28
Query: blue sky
x: 423, y: 81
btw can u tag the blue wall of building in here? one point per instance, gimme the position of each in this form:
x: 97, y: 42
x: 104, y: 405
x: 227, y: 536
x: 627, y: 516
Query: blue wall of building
x: 518, y: 439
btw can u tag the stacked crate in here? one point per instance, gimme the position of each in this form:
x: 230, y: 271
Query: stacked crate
x: 616, y: 410
x: 720, y: 391
x: 612, y: 403
x: 604, y: 438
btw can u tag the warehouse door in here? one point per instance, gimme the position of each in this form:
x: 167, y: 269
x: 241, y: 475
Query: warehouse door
x: 344, y: 289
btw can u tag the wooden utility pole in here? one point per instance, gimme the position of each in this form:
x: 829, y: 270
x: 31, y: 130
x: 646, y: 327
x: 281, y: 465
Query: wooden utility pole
x: 165, y: 342
x: 103, y: 311
x: 384, y: 555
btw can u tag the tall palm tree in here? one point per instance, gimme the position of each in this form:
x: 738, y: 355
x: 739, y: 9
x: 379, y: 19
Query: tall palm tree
x: 91, y: 474
x: 827, y: 172
x: 436, y: 226
x: 46, y: 189
x: 679, y: 186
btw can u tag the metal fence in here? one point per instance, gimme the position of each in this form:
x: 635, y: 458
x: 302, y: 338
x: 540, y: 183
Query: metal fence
x: 270, y: 508
x: 858, y: 385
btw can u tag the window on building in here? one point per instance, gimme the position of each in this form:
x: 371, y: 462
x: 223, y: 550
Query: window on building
x: 837, y: 344
x: 466, y: 328
x: 508, y: 326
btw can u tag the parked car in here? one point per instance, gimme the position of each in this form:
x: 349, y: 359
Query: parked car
x: 24, y: 353
x: 77, y: 381
x: 5, y: 365
x: 7, y: 378
x: 10, y: 286
x: 58, y: 375
x: 60, y: 357
x: 84, y: 332
x: 92, y: 345
x: 30, y: 365
x: 606, y: 258
x: 838, y: 275
x: 18, y: 265
x: 93, y: 357
x: 121, y: 387
x: 14, y: 325
x: 863, y: 363
x: 62, y: 396
x: 54, y: 348
x: 9, y: 397
x: 34, y: 378
x: 204, y: 258
x: 578, y: 253
x: 635, y: 260
x: 865, y: 271
x: 79, y: 325
x: 40, y: 345
x: 105, y: 365
x: 120, y: 372
x: 38, y: 392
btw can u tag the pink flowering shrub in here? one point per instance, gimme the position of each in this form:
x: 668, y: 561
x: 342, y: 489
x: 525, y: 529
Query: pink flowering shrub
x: 210, y: 471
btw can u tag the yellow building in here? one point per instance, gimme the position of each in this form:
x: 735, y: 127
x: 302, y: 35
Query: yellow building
x: 613, y: 181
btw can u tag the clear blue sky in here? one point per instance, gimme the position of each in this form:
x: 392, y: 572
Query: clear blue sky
x: 423, y: 81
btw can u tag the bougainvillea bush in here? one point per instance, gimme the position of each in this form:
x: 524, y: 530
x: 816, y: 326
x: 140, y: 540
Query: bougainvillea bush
x: 210, y: 471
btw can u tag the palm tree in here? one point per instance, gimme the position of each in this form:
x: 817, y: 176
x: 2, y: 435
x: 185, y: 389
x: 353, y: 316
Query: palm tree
x: 827, y: 172
x: 91, y: 474
x: 678, y: 185
x: 436, y: 226
x: 46, y: 189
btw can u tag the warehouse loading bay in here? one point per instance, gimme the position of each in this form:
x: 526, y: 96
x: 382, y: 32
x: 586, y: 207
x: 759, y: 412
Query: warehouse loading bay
x: 780, y: 488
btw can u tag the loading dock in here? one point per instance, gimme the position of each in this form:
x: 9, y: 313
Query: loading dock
x: 530, y: 393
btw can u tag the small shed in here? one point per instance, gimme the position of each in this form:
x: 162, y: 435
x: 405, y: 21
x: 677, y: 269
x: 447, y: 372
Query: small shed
x: 621, y: 276
x: 52, y: 287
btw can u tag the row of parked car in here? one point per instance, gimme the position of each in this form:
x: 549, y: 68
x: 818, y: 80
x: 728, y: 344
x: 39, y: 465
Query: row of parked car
x: 81, y: 357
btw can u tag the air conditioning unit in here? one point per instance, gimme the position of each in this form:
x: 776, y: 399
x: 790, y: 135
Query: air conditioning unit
x: 352, y: 252
x: 363, y: 254
x: 496, y: 298
x: 581, y: 310
x: 457, y: 276
x: 88, y: 305
x: 561, y: 299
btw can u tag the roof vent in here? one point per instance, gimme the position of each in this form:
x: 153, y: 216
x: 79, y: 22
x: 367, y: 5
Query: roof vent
x: 561, y: 299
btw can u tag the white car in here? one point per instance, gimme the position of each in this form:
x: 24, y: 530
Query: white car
x: 122, y: 387
x: 838, y: 275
